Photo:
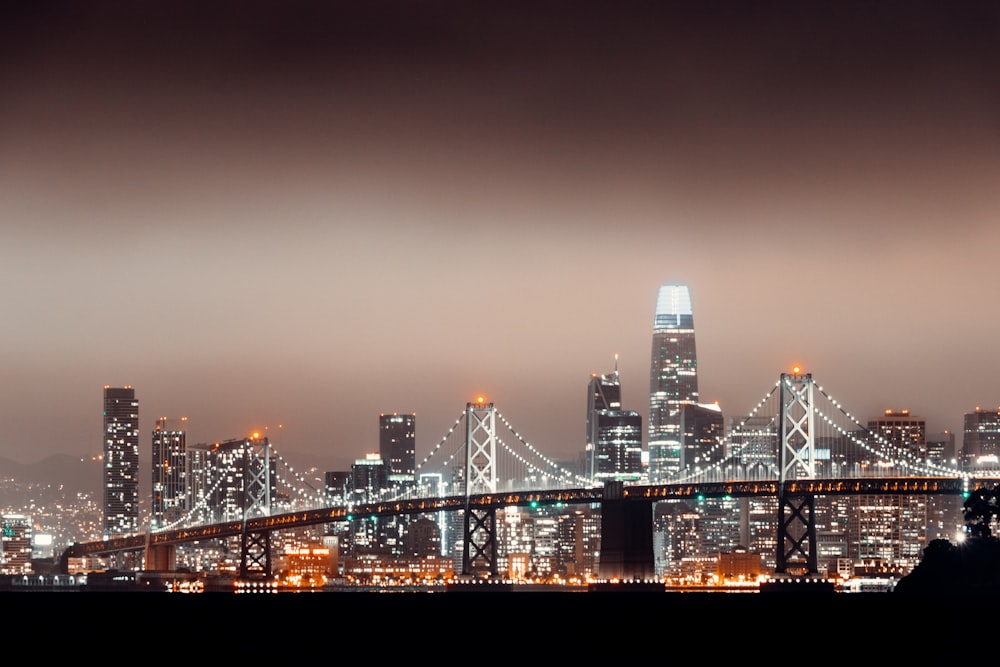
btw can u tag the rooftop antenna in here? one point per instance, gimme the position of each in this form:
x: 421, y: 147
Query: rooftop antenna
x: 616, y: 363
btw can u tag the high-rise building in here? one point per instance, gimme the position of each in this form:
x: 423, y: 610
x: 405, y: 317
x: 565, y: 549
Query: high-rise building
x: 899, y: 430
x: 169, y: 478
x: 15, y: 544
x: 673, y: 379
x: 703, y: 434
x: 614, y: 436
x: 121, y: 461
x: 892, y: 528
x: 981, y: 438
x: 369, y: 481
x: 397, y: 447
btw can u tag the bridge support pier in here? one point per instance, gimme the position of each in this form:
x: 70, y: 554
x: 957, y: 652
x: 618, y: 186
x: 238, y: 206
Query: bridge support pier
x: 480, y: 551
x: 161, y: 558
x: 255, y: 554
x: 796, y: 535
x: 626, y: 536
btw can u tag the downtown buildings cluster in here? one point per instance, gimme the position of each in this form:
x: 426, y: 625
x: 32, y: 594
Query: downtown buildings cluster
x: 217, y: 482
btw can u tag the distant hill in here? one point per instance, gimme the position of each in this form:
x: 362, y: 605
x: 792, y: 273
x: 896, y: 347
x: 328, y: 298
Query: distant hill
x: 74, y: 473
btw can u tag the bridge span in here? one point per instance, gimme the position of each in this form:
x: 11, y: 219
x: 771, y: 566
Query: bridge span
x: 634, y: 507
x: 793, y: 455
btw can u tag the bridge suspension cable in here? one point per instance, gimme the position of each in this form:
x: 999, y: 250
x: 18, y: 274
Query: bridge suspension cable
x: 559, y: 473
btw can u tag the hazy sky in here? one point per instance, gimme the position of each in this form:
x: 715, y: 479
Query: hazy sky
x: 270, y: 214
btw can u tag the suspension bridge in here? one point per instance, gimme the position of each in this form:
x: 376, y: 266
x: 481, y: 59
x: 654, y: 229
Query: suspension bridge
x: 796, y: 444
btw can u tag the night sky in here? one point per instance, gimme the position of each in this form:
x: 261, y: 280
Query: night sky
x: 297, y: 216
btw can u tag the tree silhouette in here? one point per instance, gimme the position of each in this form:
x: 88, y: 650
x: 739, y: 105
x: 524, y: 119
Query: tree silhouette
x: 969, y: 568
x: 979, y: 510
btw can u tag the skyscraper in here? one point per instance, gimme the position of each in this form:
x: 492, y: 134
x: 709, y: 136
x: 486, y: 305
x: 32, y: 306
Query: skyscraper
x: 981, y: 438
x: 614, y: 436
x: 169, y: 472
x: 703, y: 434
x: 397, y: 437
x: 397, y: 447
x: 900, y: 430
x: 673, y: 379
x: 121, y: 461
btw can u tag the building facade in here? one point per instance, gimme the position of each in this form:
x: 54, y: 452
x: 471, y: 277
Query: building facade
x: 169, y: 479
x: 892, y: 528
x: 397, y: 447
x: 899, y: 430
x: 369, y: 484
x: 121, y: 461
x: 703, y: 433
x: 15, y: 544
x: 981, y: 439
x: 614, y: 435
x: 673, y: 379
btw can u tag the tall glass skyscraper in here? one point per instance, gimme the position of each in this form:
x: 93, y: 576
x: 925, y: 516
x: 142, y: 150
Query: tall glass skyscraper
x: 673, y: 379
x: 121, y: 461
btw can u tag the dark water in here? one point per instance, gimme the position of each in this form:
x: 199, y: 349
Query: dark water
x: 511, y: 628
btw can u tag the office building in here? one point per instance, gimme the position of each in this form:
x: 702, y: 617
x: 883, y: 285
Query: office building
x: 397, y: 447
x: 579, y: 542
x: 15, y: 544
x: 673, y: 379
x: 892, y: 528
x: 169, y: 479
x: 121, y: 461
x: 369, y: 482
x: 431, y: 484
x: 981, y: 439
x: 369, y: 479
x: 895, y: 431
x: 703, y: 434
x: 614, y: 435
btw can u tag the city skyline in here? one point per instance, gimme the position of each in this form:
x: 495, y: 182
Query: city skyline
x: 295, y: 221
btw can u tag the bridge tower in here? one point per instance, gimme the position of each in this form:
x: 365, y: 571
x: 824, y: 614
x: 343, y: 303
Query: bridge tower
x: 480, y: 532
x: 255, y: 546
x: 796, y: 548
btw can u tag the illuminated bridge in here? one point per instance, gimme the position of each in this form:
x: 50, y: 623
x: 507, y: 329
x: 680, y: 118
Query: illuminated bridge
x: 789, y: 448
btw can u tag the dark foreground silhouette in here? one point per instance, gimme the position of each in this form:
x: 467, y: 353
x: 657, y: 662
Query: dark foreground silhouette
x: 970, y: 568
